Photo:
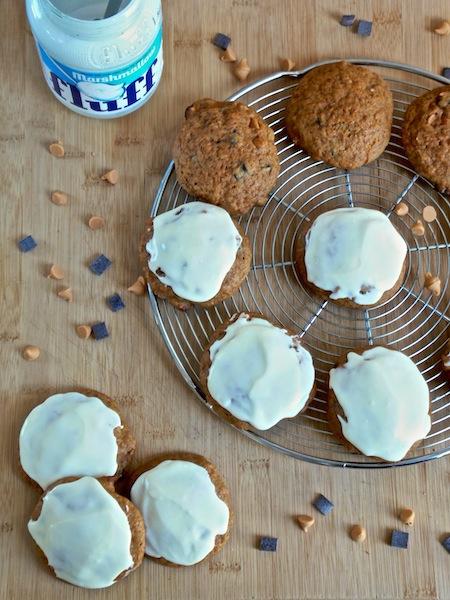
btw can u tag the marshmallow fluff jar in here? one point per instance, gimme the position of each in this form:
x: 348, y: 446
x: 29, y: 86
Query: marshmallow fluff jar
x: 100, y: 58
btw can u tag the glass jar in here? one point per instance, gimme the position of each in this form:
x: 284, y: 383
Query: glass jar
x: 99, y: 66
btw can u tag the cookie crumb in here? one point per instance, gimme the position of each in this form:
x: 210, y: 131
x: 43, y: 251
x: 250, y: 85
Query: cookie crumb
x: 27, y: 244
x: 268, y: 544
x: 138, y: 288
x: 221, y: 40
x: 66, y: 294
x: 429, y: 214
x: 432, y: 283
x: 99, y: 265
x: 407, y: 516
x: 446, y: 543
x: 100, y: 331
x: 443, y: 28
x: 323, y: 505
x: 242, y: 69
x: 55, y: 272
x: 418, y: 228
x: 84, y: 331
x: 305, y: 522
x: 228, y: 56
x: 96, y: 222
x: 59, y: 198
x: 31, y: 353
x: 287, y: 64
x: 347, y: 20
x: 401, y: 209
x: 364, y: 28
x: 115, y: 302
x: 111, y: 177
x: 399, y: 539
x: 56, y: 149
x: 358, y: 533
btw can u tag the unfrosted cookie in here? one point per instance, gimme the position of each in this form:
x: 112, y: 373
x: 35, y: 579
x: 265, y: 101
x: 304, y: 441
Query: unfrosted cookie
x: 342, y: 114
x: 195, y: 254
x: 185, y: 505
x: 353, y: 256
x: 256, y: 373
x: 89, y: 535
x: 378, y: 403
x: 426, y: 136
x: 225, y: 154
x: 73, y: 434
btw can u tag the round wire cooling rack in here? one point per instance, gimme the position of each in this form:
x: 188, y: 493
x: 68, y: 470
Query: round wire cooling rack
x: 413, y: 321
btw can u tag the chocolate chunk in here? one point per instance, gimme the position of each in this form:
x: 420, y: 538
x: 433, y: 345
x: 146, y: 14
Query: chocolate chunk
x: 268, y: 544
x: 399, y: 539
x: 27, y: 244
x: 347, y: 20
x: 100, y: 264
x: 446, y: 72
x: 115, y: 302
x: 221, y: 40
x: 323, y: 505
x: 364, y: 28
x: 100, y: 331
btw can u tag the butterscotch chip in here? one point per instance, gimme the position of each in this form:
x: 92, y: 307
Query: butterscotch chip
x: 358, y: 533
x: 242, y: 69
x: 138, y: 288
x: 55, y: 272
x: 433, y: 284
x: 66, y: 294
x: 418, y: 228
x: 287, y: 64
x: 111, y: 177
x: 31, y: 353
x: 443, y: 28
x: 429, y: 214
x: 229, y: 55
x: 96, y: 222
x: 83, y: 331
x: 407, y: 516
x: 59, y: 198
x: 305, y: 522
x: 401, y: 209
x: 56, y: 149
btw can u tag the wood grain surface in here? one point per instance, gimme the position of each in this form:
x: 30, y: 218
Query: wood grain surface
x: 133, y: 365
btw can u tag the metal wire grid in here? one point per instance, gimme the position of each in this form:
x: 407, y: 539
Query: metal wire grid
x: 412, y: 321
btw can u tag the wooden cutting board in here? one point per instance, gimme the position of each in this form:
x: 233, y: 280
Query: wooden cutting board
x: 133, y: 365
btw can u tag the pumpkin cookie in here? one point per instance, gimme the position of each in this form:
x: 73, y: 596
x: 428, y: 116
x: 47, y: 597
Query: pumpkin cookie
x: 426, y: 136
x: 378, y: 403
x: 89, y: 535
x: 342, y: 114
x: 195, y: 254
x: 225, y: 154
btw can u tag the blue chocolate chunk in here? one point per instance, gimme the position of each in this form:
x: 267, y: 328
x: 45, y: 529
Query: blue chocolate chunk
x: 268, y: 544
x: 27, y: 244
x: 115, y: 302
x: 399, y: 539
x: 99, y: 331
x: 221, y: 40
x: 446, y: 72
x: 347, y: 20
x: 446, y: 543
x: 323, y: 505
x: 364, y: 28
x: 100, y: 264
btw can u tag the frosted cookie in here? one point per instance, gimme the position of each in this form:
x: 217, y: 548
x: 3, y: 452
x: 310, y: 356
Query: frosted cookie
x: 353, y: 256
x: 89, y: 535
x: 379, y: 403
x: 256, y: 373
x: 185, y: 505
x: 195, y: 254
x: 342, y: 114
x: 225, y: 154
x: 426, y: 136
x: 74, y: 434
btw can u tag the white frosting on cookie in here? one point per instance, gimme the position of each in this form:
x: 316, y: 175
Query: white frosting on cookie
x: 192, y: 249
x: 69, y: 435
x: 258, y: 373
x: 385, y: 400
x: 354, y: 253
x: 182, y: 511
x: 84, y: 534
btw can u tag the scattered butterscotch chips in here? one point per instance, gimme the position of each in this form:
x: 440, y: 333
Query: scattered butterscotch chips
x: 287, y: 64
x: 111, y: 177
x: 358, y: 533
x: 59, y: 198
x: 66, y: 294
x: 401, y: 209
x: 305, y: 522
x: 418, y: 228
x: 433, y: 284
x: 138, y: 288
x: 55, y: 272
x: 84, y: 331
x: 407, y: 516
x: 242, y: 69
x: 229, y: 55
x: 31, y: 353
x: 56, y: 149
x: 429, y: 214
x: 443, y: 28
x: 96, y: 222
